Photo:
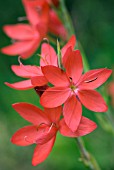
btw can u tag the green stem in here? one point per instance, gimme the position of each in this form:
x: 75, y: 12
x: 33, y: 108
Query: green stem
x: 66, y: 19
x: 88, y: 160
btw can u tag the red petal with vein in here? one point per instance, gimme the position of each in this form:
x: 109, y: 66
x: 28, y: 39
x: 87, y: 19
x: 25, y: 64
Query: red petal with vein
x: 74, y: 65
x: 48, y: 55
x: 71, y: 43
x: 54, y: 96
x: 25, y: 136
x: 85, y: 127
x: 54, y: 113
x: 56, y: 26
x: 94, y: 78
x: 18, y: 48
x: 26, y: 71
x: 42, y: 151
x: 72, y: 112
x: 92, y: 100
x: 56, y: 76
x: 31, y: 113
x: 19, y: 31
x: 22, y: 85
x: 39, y: 80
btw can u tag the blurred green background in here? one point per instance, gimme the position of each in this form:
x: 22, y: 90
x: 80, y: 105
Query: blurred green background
x: 94, y: 26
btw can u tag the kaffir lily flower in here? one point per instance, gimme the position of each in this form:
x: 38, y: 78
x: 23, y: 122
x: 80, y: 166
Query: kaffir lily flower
x: 34, y: 74
x: 45, y: 125
x: 54, y: 24
x: 26, y: 37
x: 72, y: 88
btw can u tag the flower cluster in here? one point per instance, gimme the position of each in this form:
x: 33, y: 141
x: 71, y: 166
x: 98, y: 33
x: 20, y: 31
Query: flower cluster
x: 70, y: 90
x: 58, y: 80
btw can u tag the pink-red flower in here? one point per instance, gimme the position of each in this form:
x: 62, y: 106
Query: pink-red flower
x: 43, y: 130
x: 27, y: 37
x: 54, y: 24
x: 34, y: 74
x: 73, y: 88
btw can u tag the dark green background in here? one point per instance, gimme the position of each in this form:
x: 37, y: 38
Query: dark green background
x: 94, y: 26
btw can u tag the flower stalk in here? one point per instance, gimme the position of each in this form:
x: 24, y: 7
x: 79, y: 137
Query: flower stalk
x: 88, y: 159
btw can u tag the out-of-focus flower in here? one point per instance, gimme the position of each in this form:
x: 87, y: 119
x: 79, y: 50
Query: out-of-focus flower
x: 43, y: 130
x: 54, y: 23
x: 27, y: 37
x: 73, y: 89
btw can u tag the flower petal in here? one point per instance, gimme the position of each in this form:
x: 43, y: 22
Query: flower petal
x: 24, y: 136
x: 71, y: 43
x: 31, y: 13
x: 48, y: 55
x: 30, y: 51
x: 19, y: 31
x: 41, y: 152
x: 26, y: 71
x: 72, y: 112
x: 85, y: 127
x: 55, y: 75
x: 39, y: 80
x: 74, y: 65
x: 22, y: 85
x: 56, y: 26
x: 94, y: 78
x: 18, y: 48
x: 54, y: 96
x: 92, y: 100
x: 54, y: 113
x: 31, y: 113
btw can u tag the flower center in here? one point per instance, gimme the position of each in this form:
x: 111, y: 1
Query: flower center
x: 73, y: 87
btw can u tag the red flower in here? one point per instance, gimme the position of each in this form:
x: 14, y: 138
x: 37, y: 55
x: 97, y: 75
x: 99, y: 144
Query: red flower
x: 29, y: 72
x: 73, y: 89
x: 52, y: 21
x: 44, y: 129
x: 34, y: 73
x: 27, y: 37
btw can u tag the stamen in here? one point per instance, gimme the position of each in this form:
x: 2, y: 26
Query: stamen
x: 70, y: 79
x: 50, y: 127
x: 19, y: 60
x: 89, y: 81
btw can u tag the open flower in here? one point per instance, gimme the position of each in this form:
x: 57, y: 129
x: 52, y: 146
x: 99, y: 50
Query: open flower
x: 73, y: 89
x: 43, y: 130
x: 34, y: 74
